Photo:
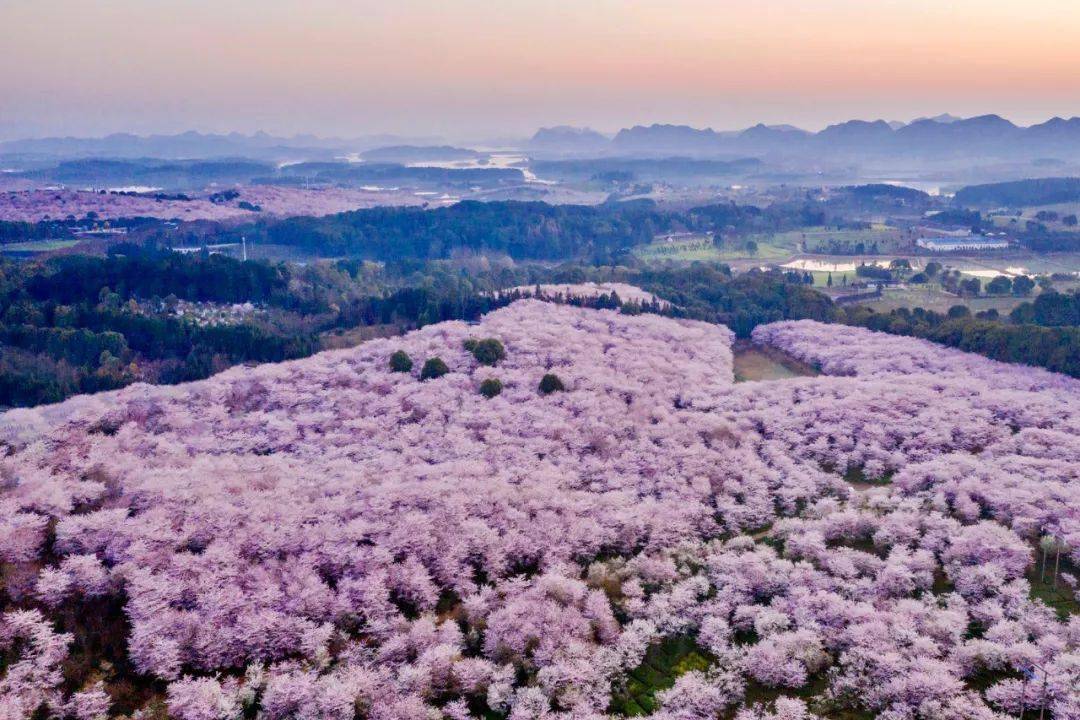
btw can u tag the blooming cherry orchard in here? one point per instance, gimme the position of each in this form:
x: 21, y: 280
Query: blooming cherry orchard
x: 329, y: 538
x: 35, y: 204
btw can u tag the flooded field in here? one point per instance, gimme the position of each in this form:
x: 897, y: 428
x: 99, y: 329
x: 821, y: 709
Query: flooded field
x: 755, y: 363
x: 813, y: 265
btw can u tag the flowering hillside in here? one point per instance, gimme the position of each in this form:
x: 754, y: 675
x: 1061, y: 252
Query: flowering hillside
x: 613, y: 528
x: 43, y: 204
x: 856, y: 351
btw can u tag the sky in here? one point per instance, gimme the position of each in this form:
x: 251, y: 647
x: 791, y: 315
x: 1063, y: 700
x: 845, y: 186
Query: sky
x: 472, y: 69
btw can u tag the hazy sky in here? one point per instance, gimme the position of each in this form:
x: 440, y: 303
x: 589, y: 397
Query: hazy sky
x: 473, y: 68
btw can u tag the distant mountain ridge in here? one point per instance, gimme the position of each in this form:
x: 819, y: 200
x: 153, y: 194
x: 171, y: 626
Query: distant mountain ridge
x: 941, y: 136
x: 199, y: 146
x: 945, y: 118
x: 567, y: 139
x: 666, y: 139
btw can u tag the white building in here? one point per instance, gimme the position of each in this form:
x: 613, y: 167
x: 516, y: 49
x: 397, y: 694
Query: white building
x: 955, y: 244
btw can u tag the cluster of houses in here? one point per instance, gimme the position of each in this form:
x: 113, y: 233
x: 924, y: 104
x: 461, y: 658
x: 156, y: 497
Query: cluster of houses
x: 210, y: 313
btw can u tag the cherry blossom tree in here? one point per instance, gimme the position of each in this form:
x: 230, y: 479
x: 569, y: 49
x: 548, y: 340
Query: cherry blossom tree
x: 327, y: 537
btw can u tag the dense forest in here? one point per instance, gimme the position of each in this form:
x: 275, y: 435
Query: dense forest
x: 527, y: 231
x: 1022, y: 193
x: 75, y: 324
x: 12, y: 232
x: 82, y: 324
x: 17, y: 231
x: 524, y: 231
x: 711, y: 293
x: 533, y: 230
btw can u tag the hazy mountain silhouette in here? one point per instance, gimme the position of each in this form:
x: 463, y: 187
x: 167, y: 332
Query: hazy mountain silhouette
x: 945, y: 118
x: 566, y: 139
x: 667, y: 140
x: 192, y: 145
x: 767, y: 139
x: 856, y: 134
x: 943, y: 136
x: 985, y: 132
x: 940, y: 137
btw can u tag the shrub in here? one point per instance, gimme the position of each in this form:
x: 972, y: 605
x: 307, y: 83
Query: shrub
x: 491, y: 387
x: 400, y: 362
x: 433, y: 368
x: 551, y: 383
x: 488, y: 351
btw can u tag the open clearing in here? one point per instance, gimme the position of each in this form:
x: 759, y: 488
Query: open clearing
x: 755, y: 362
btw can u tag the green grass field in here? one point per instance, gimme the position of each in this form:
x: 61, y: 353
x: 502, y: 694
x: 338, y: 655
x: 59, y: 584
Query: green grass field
x: 822, y: 240
x: 1029, y: 213
x: 821, y: 279
x: 38, y: 246
x: 932, y: 297
x: 702, y: 249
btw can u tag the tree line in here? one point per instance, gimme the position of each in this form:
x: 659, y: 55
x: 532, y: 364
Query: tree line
x: 1054, y: 347
x: 76, y: 324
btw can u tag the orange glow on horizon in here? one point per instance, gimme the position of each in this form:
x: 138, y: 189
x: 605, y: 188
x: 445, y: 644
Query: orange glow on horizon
x: 421, y: 66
